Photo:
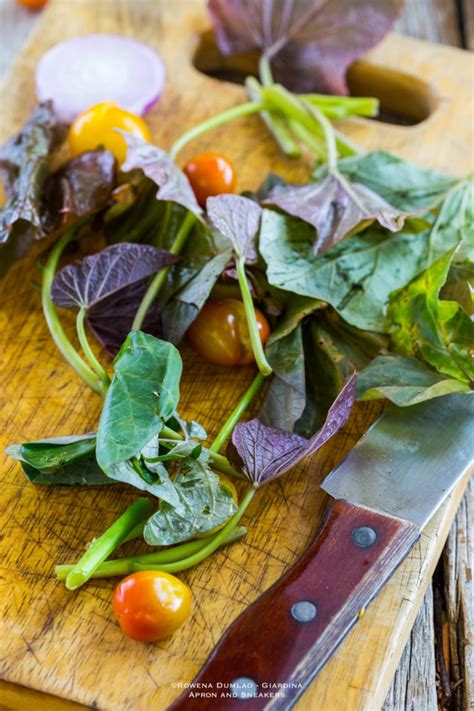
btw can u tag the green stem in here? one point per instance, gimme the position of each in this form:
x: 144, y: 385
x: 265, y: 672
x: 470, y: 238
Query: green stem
x: 265, y: 71
x: 102, y: 547
x: 159, y: 279
x: 257, y: 347
x: 86, y: 347
x: 62, y: 342
x: 274, y: 122
x: 237, y: 412
x: 220, y: 462
x: 215, y: 543
x: 246, y: 109
x: 125, y: 566
x: 310, y: 140
x: 329, y: 135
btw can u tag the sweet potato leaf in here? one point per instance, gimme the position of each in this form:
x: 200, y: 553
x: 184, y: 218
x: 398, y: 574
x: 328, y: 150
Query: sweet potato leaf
x: 401, y: 183
x: 405, y: 381
x: 86, y: 283
x: 310, y: 43
x: 336, y: 208
x: 80, y: 187
x: 355, y: 276
x: 436, y: 331
x: 204, y: 503
x: 265, y: 453
x: 143, y: 394
x: 157, y: 165
x: 237, y: 218
x: 68, y: 461
x: 24, y: 170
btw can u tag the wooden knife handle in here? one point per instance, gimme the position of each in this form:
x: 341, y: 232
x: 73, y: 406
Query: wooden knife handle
x: 279, y: 643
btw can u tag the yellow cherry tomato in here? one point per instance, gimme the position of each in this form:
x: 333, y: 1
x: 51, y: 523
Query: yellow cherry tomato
x: 96, y: 126
x: 150, y: 605
x: 229, y: 485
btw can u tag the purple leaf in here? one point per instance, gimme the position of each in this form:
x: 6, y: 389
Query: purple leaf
x: 311, y: 42
x: 264, y: 453
x: 336, y: 208
x: 237, y: 218
x: 101, y: 275
x: 81, y: 186
x: 158, y: 166
x: 111, y: 318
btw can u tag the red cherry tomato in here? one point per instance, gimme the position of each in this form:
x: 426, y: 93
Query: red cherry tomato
x: 150, y: 605
x: 32, y: 4
x: 220, y: 333
x: 210, y: 174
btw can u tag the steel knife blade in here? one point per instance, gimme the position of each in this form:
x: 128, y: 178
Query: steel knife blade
x: 386, y: 490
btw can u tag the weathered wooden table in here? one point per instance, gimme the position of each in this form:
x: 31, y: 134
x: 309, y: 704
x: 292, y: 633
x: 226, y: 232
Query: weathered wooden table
x: 437, y: 665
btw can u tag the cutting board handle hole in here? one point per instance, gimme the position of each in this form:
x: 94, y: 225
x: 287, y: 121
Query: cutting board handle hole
x: 404, y: 99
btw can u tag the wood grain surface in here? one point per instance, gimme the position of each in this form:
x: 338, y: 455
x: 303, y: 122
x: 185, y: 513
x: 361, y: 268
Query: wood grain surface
x: 68, y: 643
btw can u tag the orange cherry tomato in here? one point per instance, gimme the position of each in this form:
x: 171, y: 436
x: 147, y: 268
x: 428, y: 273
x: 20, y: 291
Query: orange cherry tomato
x: 96, y: 126
x: 220, y: 333
x: 32, y: 4
x: 150, y: 605
x: 210, y: 174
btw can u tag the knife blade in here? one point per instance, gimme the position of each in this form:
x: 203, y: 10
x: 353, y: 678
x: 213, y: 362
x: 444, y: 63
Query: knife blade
x: 386, y: 490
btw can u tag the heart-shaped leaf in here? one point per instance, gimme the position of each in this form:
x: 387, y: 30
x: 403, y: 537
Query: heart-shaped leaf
x: 102, y: 275
x: 265, y: 453
x: 311, y: 43
x: 237, y: 218
x: 157, y: 165
x: 204, y: 503
x: 336, y: 208
x: 143, y: 394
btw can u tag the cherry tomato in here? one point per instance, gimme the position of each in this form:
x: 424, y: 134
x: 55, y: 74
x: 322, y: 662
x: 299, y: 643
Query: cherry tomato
x: 230, y: 485
x: 96, y: 127
x: 220, y: 333
x: 210, y: 174
x: 150, y: 605
x: 32, y: 4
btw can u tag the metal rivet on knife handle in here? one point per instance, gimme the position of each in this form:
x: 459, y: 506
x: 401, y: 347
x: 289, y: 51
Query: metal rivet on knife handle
x: 304, y: 611
x: 244, y: 688
x: 363, y: 537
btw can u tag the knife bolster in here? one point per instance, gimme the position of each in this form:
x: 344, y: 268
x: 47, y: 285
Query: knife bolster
x: 289, y: 632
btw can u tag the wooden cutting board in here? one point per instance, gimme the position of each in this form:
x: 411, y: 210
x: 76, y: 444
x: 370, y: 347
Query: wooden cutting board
x: 68, y: 644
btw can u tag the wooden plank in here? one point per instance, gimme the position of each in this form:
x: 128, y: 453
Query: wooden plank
x: 459, y: 594
x: 16, y: 24
x: 467, y: 17
x: 433, y: 20
x: 68, y: 644
x: 414, y: 683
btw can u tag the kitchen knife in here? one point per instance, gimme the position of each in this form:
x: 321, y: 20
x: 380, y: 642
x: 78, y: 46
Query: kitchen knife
x: 386, y: 491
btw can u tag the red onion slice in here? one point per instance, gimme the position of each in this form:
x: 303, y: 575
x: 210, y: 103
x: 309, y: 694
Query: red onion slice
x: 84, y: 71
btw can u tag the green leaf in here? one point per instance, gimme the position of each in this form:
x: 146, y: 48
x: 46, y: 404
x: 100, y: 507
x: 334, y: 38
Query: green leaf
x: 334, y: 350
x: 61, y: 461
x: 402, y: 184
x: 355, y: 277
x: 455, y: 220
x: 143, y: 394
x: 404, y: 381
x: 204, y: 503
x: 439, y: 332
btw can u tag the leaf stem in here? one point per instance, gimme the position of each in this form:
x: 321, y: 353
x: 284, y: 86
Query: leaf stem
x: 265, y: 70
x: 257, y: 347
x: 237, y: 412
x: 103, y: 546
x: 159, y: 279
x: 220, y: 462
x: 125, y: 566
x: 274, y: 122
x: 246, y: 109
x: 86, y: 347
x: 62, y: 342
x: 328, y: 131
x: 215, y: 543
